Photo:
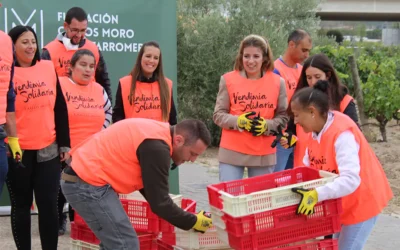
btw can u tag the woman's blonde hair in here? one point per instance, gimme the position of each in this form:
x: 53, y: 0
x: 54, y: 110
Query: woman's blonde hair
x: 258, y: 42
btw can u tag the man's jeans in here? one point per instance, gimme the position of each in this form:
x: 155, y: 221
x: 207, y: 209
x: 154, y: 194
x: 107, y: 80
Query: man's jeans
x: 101, y: 209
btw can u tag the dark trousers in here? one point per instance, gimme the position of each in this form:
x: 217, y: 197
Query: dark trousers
x: 43, y: 180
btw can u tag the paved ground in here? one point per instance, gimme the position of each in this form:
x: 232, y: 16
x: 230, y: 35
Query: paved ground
x: 193, y: 182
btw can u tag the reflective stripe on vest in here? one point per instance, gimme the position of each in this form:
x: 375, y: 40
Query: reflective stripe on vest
x: 290, y: 75
x: 251, y: 95
x: 147, y: 102
x: 35, y: 89
x: 109, y: 157
x: 374, y: 191
x: 6, y: 62
x: 85, y: 109
x: 61, y: 57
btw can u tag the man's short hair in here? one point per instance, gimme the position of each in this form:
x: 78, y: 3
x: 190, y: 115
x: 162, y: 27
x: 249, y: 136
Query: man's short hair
x: 193, y: 130
x: 297, y: 35
x: 77, y: 13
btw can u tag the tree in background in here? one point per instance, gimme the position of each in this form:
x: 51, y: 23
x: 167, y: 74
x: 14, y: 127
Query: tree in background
x: 379, y: 72
x: 209, y: 34
x: 337, y: 35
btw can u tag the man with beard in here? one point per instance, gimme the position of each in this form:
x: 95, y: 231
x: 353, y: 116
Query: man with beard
x: 61, y: 49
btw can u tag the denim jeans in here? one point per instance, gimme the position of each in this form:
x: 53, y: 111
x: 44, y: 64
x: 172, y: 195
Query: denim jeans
x: 284, y: 158
x: 229, y: 172
x: 354, y: 237
x: 3, y: 159
x: 101, y: 209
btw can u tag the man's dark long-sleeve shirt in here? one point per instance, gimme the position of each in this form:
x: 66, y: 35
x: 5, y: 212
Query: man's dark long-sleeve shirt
x: 119, y: 113
x: 155, y: 172
x: 101, y: 74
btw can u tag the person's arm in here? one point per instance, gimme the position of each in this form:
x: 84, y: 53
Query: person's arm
x: 61, y: 120
x: 155, y: 171
x: 101, y: 75
x: 221, y: 115
x: 348, y: 161
x: 118, y: 113
x: 11, y: 124
x: 281, y: 117
x: 351, y: 111
x: 45, y: 54
x: 173, y: 120
x: 306, y: 159
x: 107, y: 110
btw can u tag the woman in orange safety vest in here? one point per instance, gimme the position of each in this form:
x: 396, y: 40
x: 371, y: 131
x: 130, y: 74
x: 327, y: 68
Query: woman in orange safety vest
x: 250, y: 105
x: 43, y: 132
x: 319, y: 67
x: 146, y: 92
x: 89, y: 109
x: 336, y: 144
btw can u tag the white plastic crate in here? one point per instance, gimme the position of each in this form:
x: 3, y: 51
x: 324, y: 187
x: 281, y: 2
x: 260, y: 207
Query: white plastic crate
x: 194, y: 240
x: 81, y: 245
x: 217, y: 217
x: 270, y: 199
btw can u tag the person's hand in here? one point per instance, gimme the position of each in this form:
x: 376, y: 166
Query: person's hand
x: 244, y: 121
x: 288, y: 140
x: 203, y: 222
x: 15, y: 148
x: 64, y: 156
x: 308, y: 200
x: 259, y: 126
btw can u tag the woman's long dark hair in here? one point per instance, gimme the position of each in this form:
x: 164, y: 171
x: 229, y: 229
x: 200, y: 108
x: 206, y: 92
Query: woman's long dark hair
x: 17, y: 31
x: 336, y: 90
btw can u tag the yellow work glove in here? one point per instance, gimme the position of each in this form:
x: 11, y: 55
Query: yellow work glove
x: 244, y: 122
x: 203, y: 222
x: 259, y: 126
x: 308, y: 200
x: 15, y: 148
x: 288, y: 140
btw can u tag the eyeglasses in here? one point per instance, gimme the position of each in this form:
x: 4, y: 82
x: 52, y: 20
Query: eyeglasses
x: 77, y: 31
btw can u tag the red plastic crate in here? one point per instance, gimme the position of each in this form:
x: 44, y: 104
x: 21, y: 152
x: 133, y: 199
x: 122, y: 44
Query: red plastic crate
x: 83, y: 233
x: 331, y: 244
x: 259, y: 183
x: 286, y: 235
x: 146, y: 242
x: 141, y: 216
x: 161, y: 245
x: 187, y: 205
x: 78, y: 219
x: 283, y: 218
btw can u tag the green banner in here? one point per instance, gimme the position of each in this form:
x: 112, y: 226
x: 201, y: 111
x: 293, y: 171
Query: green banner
x: 118, y: 27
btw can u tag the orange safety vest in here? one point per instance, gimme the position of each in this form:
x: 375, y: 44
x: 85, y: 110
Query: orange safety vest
x: 85, y: 109
x: 61, y: 57
x: 35, y: 89
x: 374, y: 191
x: 303, y: 137
x: 147, y: 102
x: 290, y: 75
x: 6, y: 62
x: 109, y: 157
x: 251, y: 95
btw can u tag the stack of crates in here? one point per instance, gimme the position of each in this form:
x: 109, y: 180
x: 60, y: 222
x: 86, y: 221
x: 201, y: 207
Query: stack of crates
x: 147, y: 225
x: 260, y: 212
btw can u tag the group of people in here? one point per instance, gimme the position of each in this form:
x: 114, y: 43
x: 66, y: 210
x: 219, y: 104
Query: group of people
x: 56, y: 112
x: 300, y: 99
